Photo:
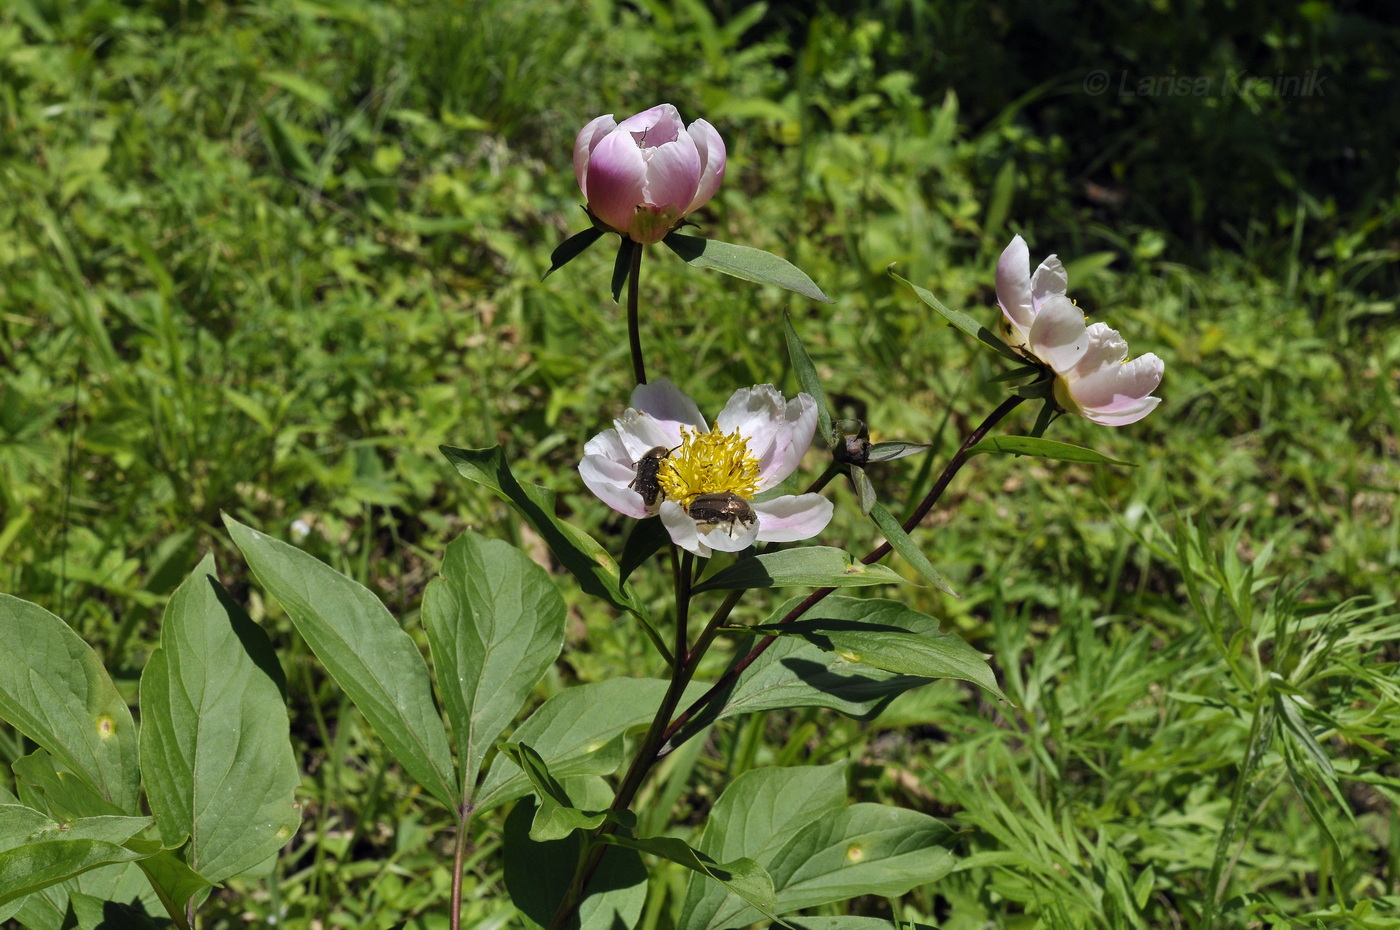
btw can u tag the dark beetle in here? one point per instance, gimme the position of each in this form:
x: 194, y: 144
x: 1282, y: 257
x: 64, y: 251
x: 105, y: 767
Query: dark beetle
x: 648, y: 467
x: 714, y: 509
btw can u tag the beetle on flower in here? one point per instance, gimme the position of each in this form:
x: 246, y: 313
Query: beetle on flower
x: 644, y: 175
x: 758, y: 440
x: 1094, y: 377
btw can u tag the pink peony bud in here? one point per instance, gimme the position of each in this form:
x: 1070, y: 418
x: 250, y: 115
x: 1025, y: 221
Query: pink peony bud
x: 642, y: 176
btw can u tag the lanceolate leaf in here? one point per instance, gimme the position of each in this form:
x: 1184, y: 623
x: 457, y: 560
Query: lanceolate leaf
x: 216, y: 750
x: 808, y: 566
x: 580, y: 553
x: 36, y: 851
x: 495, y: 622
x: 741, y: 261
x: 364, y: 649
x: 900, y: 542
x: 807, y: 377
x: 1045, y: 449
x: 961, y: 320
x: 943, y: 655
x: 54, y: 690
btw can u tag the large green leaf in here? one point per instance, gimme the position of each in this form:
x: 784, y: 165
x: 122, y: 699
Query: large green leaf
x: 961, y: 320
x: 807, y: 566
x: 795, y: 673
x: 754, y: 818
x: 741, y: 261
x: 927, y: 655
x: 216, y: 750
x: 54, y: 690
x: 581, y: 554
x: 537, y: 874
x: 364, y: 649
x: 817, y: 851
x: 859, y: 850
x: 37, y: 851
x: 577, y: 732
x: 495, y: 622
x: 1043, y: 448
x: 47, y: 784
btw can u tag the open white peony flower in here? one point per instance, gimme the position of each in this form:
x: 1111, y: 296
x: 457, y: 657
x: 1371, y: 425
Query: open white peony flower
x: 705, y: 484
x: 1093, y: 375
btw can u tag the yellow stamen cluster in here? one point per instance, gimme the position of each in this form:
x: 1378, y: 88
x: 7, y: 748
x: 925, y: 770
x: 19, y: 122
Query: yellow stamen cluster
x: 709, y: 463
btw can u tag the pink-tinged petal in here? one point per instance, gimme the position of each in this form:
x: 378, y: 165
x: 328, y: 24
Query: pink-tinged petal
x: 656, y: 126
x: 794, y: 517
x: 1118, y: 386
x: 616, y: 180
x: 1059, y: 335
x: 713, y: 159
x: 791, y: 441
x: 1124, y: 416
x: 664, y: 401
x: 608, y: 480
x: 588, y: 137
x: 1049, y: 279
x: 1014, y: 284
x: 755, y: 413
x: 1106, y: 347
x: 682, y: 529
x: 672, y: 174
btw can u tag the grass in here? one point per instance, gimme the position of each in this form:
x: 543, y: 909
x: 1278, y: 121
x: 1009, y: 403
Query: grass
x: 264, y: 258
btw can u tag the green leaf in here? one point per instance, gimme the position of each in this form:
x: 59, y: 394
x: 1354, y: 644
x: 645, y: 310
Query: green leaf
x: 216, y: 748
x: 854, y: 923
x: 537, y: 874
x: 174, y: 882
x: 756, y: 816
x: 961, y: 320
x: 372, y: 659
x: 807, y: 377
x: 580, y: 553
x: 577, y: 732
x: 1043, y: 448
x: 889, y: 451
x: 741, y: 261
x: 795, y: 673
x: 54, y: 690
x: 571, y: 248
x: 943, y: 655
x: 45, y: 784
x: 808, y: 566
x: 495, y: 623
x: 37, y: 851
x: 645, y: 540
x: 900, y: 542
x: 865, y: 491
x: 864, y: 849
x: 743, y: 877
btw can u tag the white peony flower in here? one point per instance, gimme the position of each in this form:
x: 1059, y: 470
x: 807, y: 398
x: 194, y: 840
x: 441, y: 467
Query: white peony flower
x: 707, y: 480
x: 1094, y: 377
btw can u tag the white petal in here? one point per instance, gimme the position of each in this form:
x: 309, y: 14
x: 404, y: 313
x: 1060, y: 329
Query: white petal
x: 1049, y: 279
x: 1125, y: 415
x: 641, y: 433
x: 608, y: 480
x: 1059, y: 336
x: 1113, y: 388
x: 791, y: 440
x: 668, y: 403
x: 609, y: 444
x: 1014, y: 284
x: 1106, y: 347
x: 794, y: 517
x: 682, y: 529
x: 754, y: 412
x: 729, y: 537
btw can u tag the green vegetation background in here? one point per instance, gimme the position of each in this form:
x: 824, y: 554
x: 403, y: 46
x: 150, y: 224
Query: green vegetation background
x: 264, y: 257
